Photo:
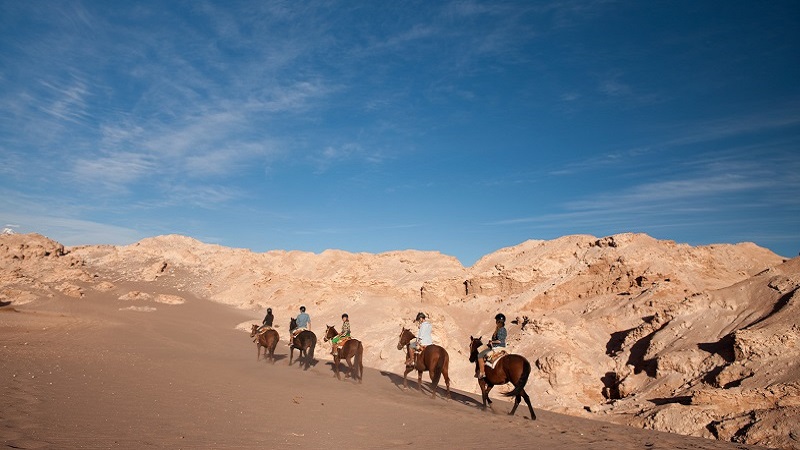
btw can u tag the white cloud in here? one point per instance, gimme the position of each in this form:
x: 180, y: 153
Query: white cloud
x: 115, y: 170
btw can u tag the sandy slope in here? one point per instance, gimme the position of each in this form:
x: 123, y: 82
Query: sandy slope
x: 92, y: 373
x: 701, y: 341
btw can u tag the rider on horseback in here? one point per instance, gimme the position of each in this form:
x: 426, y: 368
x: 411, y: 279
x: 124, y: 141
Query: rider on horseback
x: 344, y: 335
x: 303, y: 321
x: 497, y: 342
x: 266, y: 324
x: 424, y: 338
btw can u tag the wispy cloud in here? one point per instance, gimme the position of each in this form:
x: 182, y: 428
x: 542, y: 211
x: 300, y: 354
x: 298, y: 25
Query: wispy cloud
x: 731, y: 126
x: 683, y: 193
x: 68, y: 101
x: 116, y: 170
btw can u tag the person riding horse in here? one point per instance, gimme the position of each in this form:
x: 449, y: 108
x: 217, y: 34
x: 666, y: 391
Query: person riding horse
x: 342, y: 336
x: 303, y: 322
x: 424, y: 338
x: 496, y: 344
x: 266, y: 324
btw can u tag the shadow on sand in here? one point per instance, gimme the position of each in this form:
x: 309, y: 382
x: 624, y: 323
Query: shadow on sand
x: 456, y: 396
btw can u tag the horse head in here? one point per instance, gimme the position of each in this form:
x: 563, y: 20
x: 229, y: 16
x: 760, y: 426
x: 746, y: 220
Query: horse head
x: 330, y: 332
x: 253, y: 330
x: 474, y: 343
x: 405, y: 337
x: 292, y: 324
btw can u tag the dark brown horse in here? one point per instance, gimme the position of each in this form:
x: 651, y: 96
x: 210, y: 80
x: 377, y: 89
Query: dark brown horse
x: 514, y: 369
x: 305, y: 341
x: 434, y: 359
x: 351, y: 348
x: 268, y: 339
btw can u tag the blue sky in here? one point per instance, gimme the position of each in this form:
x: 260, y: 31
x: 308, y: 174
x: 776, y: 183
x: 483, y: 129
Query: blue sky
x: 462, y: 126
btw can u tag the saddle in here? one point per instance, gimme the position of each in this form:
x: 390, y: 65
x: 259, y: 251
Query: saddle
x: 338, y: 346
x: 493, y: 357
x: 417, y: 354
x: 297, y: 331
x: 262, y: 331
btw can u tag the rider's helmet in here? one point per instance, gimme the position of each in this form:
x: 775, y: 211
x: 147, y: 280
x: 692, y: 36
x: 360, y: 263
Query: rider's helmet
x: 345, y: 315
x: 500, y: 317
x: 420, y: 315
x: 269, y: 310
x: 302, y: 309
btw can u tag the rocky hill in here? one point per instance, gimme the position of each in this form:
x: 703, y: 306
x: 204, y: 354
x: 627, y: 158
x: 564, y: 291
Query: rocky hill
x: 625, y: 328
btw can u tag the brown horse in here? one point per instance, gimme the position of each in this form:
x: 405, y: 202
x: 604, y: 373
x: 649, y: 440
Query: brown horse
x: 351, y: 348
x: 269, y: 340
x: 512, y: 368
x: 434, y: 359
x: 305, y: 341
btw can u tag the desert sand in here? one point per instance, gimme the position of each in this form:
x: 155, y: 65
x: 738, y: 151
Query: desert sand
x: 91, y: 373
x: 147, y: 345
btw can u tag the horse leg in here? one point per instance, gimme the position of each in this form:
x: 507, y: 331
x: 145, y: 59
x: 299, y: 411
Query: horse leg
x: 336, y: 361
x: 405, y: 376
x: 486, y: 399
x: 516, y: 403
x: 350, y: 372
x: 447, y: 377
x: 419, y: 381
x: 435, y: 375
x: 291, y: 354
x: 528, y: 402
x: 312, y: 344
x: 258, y: 351
x: 482, y: 387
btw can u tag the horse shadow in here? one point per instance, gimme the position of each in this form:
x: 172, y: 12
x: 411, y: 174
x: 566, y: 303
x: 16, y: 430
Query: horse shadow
x: 456, y: 396
x: 279, y: 357
x: 343, y: 369
x: 304, y: 363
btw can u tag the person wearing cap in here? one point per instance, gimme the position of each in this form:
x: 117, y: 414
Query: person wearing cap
x: 498, y: 341
x: 303, y: 321
x: 424, y: 337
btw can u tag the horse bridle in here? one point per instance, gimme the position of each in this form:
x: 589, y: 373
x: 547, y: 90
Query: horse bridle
x: 325, y: 339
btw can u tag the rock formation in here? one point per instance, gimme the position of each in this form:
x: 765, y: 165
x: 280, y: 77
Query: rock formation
x: 625, y: 328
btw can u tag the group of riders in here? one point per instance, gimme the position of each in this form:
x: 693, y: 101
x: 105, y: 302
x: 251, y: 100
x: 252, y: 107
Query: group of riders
x: 303, y: 323
x: 495, y: 346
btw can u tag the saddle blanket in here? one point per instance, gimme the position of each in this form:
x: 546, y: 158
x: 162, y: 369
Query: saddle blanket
x: 297, y: 331
x: 495, y: 356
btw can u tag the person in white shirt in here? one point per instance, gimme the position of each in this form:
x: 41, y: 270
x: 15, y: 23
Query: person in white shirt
x: 424, y: 338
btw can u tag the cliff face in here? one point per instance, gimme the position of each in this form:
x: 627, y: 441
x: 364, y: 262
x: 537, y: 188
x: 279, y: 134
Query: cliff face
x: 626, y: 328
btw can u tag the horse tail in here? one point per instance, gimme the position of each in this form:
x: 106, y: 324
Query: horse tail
x: 359, y: 361
x: 441, y: 362
x: 519, y: 386
x: 312, y: 347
